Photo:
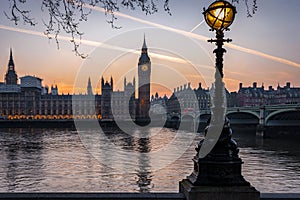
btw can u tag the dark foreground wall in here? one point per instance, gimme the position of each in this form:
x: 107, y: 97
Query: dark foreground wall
x: 127, y: 196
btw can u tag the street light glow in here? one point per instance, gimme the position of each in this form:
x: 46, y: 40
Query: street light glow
x: 219, y: 15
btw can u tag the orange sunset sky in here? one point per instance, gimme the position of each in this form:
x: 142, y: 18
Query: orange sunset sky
x: 265, y: 47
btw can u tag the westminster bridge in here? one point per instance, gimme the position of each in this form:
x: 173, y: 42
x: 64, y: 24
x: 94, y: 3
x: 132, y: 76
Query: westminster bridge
x: 284, y: 115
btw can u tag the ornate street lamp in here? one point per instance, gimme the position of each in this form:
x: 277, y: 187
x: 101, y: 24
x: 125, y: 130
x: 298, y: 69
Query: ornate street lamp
x: 217, y: 168
x: 220, y: 15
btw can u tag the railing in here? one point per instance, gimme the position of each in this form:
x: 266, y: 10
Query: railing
x: 129, y: 196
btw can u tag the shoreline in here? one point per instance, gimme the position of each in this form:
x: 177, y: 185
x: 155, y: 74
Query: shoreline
x: 271, y: 131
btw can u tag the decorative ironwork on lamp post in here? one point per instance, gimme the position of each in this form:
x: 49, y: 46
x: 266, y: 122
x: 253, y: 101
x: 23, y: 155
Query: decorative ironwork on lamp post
x: 222, y: 165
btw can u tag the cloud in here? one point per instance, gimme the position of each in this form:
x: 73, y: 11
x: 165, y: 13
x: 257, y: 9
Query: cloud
x: 94, y: 43
x: 202, y: 38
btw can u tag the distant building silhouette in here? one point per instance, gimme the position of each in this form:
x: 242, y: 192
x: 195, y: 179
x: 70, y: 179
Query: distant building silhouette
x: 158, y: 104
x: 106, y: 90
x: 257, y: 96
x: 186, y: 99
x: 30, y: 99
x: 124, y: 102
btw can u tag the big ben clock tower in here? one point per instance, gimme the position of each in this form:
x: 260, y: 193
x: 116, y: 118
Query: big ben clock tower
x: 144, y: 72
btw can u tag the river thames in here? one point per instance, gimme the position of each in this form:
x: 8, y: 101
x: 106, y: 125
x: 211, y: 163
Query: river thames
x: 56, y: 160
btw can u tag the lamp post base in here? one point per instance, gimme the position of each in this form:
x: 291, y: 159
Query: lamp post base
x: 212, y: 172
x: 192, y: 192
x: 218, y: 175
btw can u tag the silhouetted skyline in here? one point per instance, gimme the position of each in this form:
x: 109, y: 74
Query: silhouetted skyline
x: 269, y: 38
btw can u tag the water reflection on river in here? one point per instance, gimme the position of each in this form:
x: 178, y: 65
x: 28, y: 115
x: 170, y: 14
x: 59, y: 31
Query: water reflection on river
x: 45, y: 160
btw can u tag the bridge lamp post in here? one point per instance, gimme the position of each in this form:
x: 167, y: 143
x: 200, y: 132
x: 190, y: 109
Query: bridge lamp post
x: 217, y: 172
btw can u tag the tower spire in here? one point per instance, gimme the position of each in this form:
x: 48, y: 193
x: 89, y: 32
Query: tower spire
x: 144, y: 58
x: 144, y: 44
x: 11, y: 64
x: 112, y: 83
x: 89, y: 87
x: 11, y: 77
x: 125, y: 83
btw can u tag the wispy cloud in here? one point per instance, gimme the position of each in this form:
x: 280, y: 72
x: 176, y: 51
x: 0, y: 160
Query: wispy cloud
x: 41, y: 34
x: 197, y: 26
x: 95, y: 44
x: 264, y: 55
x: 203, y: 38
x: 183, y: 32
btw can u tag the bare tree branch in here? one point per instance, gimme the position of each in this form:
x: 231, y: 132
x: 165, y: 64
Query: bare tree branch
x: 65, y: 16
x: 16, y: 13
x: 251, y: 9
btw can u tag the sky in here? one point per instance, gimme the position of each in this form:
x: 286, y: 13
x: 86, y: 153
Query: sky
x: 265, y: 47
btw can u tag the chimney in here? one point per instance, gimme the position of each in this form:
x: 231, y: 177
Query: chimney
x: 241, y: 85
x: 254, y: 85
x: 270, y: 88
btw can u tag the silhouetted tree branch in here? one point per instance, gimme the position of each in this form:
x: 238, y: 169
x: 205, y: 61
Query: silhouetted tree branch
x: 66, y: 15
x: 251, y: 9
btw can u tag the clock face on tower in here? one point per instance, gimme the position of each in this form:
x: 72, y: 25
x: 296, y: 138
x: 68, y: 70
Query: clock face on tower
x: 144, y: 68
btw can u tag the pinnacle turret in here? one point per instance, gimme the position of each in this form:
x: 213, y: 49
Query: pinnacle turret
x: 89, y: 87
x: 144, y: 58
x: 11, y: 77
x: 11, y: 64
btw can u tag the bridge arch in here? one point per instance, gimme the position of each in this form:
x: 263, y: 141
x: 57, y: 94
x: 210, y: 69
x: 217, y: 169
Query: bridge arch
x: 187, y: 122
x: 243, y: 117
x: 173, y: 116
x: 243, y: 111
x: 287, y: 112
x: 203, y: 117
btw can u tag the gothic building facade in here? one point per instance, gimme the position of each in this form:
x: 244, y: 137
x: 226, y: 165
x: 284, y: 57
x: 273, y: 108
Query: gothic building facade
x: 30, y: 100
x: 185, y: 99
x: 27, y: 98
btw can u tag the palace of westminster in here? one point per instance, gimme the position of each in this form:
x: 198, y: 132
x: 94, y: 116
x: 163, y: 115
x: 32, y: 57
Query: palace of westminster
x: 30, y: 100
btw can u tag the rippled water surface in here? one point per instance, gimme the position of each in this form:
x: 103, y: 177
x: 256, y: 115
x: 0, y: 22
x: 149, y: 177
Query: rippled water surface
x: 46, y: 160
